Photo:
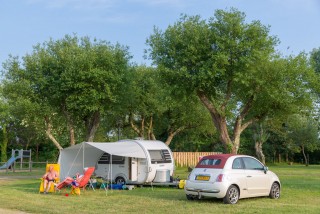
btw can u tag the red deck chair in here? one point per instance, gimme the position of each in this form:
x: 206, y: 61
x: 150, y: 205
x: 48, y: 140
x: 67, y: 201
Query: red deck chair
x: 81, y: 183
x: 64, y: 183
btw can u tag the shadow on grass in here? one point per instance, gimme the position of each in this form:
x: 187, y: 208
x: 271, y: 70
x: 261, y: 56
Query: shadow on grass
x: 164, y: 193
x: 170, y: 194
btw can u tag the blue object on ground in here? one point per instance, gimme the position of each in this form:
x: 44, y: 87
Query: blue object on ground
x: 115, y: 186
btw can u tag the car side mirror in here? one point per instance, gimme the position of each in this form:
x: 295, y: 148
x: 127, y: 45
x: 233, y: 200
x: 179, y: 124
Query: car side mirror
x: 265, y: 169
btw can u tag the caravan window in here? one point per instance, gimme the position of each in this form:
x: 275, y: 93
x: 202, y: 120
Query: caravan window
x: 160, y: 156
x: 105, y: 159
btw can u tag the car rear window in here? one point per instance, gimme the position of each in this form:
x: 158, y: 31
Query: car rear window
x: 213, y: 161
x: 210, y: 162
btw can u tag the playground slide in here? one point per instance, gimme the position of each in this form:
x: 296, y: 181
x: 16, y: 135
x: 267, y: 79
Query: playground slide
x: 9, y: 162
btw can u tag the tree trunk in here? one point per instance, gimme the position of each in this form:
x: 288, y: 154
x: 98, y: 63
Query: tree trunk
x: 169, y: 138
x: 172, y: 133
x: 139, y: 131
x: 49, y: 134
x: 70, y: 126
x: 92, y: 125
x: 150, y: 130
x: 236, y: 137
x: 279, y: 157
x: 220, y: 122
x: 259, y: 152
x: 4, y: 144
x: 260, y: 136
x: 136, y: 129
x: 37, y: 152
x: 142, y: 127
x: 153, y: 137
x: 71, y: 135
x: 304, y: 156
x: 224, y: 136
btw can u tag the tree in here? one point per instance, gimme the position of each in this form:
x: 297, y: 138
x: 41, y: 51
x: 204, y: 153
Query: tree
x: 233, y: 69
x: 315, y: 59
x: 303, y: 134
x: 315, y: 62
x: 154, y: 111
x: 4, y: 122
x: 260, y: 136
x: 183, y: 114
x: 27, y: 110
x: 143, y: 101
x: 74, y: 78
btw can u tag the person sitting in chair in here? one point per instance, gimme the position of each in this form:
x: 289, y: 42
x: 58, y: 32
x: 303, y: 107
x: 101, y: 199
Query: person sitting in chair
x: 79, y: 177
x: 48, y: 178
x: 73, y: 181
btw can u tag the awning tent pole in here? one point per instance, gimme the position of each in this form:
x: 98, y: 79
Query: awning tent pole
x: 111, y: 173
x: 83, y: 156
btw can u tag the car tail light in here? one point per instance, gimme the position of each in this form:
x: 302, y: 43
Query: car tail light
x: 220, y: 178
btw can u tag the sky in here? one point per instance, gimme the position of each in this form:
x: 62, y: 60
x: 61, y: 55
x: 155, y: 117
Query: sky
x: 25, y: 23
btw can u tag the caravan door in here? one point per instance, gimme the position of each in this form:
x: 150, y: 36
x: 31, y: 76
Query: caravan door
x: 142, y: 170
x: 133, y: 169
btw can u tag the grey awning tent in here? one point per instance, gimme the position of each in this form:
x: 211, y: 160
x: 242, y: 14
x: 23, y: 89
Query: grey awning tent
x: 74, y: 158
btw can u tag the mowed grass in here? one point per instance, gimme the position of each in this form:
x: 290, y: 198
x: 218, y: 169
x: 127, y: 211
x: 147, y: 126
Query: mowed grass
x: 300, y: 194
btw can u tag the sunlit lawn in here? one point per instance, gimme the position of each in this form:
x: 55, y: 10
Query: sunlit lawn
x: 300, y: 194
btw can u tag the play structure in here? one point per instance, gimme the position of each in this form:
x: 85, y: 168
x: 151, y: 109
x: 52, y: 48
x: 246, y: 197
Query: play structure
x: 18, y: 156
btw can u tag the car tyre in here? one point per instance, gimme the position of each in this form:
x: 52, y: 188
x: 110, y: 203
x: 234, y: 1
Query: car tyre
x: 190, y: 197
x: 232, y: 195
x: 275, y: 191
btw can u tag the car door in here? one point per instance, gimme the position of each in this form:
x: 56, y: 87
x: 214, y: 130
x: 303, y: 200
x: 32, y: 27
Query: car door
x: 238, y: 176
x: 257, y: 179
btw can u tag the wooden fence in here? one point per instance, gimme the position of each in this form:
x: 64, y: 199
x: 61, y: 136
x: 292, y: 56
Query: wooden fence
x: 189, y: 158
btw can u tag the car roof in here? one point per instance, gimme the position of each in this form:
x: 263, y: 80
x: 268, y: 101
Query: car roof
x: 223, y: 159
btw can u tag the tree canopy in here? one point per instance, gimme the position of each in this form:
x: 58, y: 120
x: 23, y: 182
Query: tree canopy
x: 73, y: 77
x: 210, y: 80
x: 233, y: 68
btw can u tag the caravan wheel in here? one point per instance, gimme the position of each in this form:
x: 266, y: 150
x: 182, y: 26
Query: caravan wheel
x: 120, y: 180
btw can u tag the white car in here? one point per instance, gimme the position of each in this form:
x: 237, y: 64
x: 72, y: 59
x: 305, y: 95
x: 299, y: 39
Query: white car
x: 231, y: 177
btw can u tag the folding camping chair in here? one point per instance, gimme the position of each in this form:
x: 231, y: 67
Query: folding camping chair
x: 85, y: 180
x: 66, y: 182
x: 56, y: 167
x: 77, y: 184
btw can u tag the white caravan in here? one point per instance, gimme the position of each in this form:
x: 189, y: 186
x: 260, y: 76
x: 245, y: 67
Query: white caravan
x: 126, y: 161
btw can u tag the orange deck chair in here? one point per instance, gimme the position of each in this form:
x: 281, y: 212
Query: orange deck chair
x: 86, y: 177
x: 82, y: 183
x: 64, y: 183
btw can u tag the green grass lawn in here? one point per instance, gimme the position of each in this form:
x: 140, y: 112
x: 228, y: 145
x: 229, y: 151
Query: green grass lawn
x: 300, y: 194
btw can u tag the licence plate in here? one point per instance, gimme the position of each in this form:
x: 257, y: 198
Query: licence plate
x: 202, y: 177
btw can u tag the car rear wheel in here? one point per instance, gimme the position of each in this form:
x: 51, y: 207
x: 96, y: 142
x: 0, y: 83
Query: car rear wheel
x: 232, y: 195
x: 275, y: 191
x: 190, y: 197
